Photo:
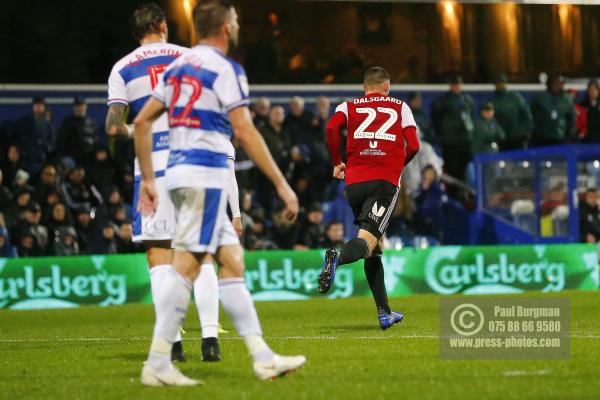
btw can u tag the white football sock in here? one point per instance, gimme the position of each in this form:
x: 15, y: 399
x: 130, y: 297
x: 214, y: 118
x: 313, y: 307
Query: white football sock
x: 206, y: 295
x: 157, y: 274
x: 171, y: 306
x: 237, y: 302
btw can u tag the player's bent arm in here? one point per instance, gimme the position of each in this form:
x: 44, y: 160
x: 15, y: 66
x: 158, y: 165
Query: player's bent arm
x: 143, y: 135
x: 115, y: 126
x: 412, y: 143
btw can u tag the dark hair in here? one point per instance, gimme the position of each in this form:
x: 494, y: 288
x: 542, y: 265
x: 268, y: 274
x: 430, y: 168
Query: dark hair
x: 210, y: 15
x: 146, y: 19
x: 375, y: 76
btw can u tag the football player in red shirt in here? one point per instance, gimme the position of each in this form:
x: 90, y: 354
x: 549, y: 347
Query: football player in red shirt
x: 382, y: 139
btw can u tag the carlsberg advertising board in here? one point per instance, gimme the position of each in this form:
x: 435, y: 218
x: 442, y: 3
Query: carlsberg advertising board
x: 53, y: 282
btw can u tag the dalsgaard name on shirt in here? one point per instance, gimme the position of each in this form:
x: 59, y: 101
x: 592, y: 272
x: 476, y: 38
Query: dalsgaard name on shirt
x: 370, y: 99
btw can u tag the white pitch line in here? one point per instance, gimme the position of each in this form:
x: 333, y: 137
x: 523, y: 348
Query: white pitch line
x: 139, y: 339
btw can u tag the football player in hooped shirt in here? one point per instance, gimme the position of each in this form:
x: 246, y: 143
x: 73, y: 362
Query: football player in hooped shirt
x: 382, y: 139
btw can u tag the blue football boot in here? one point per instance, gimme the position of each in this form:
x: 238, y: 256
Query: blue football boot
x: 388, y: 320
x: 327, y: 274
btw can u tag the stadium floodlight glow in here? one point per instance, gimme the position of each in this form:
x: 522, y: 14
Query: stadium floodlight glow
x: 502, y: 164
x: 548, y: 164
x: 597, y: 164
x: 525, y: 164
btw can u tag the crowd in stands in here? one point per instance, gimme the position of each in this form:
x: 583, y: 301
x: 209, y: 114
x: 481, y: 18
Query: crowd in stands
x: 63, y: 192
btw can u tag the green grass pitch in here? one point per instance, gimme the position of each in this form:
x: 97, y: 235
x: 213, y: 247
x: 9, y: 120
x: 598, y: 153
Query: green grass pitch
x: 97, y: 353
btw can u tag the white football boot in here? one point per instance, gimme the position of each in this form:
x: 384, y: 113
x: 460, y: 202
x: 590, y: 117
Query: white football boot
x: 171, y: 377
x: 278, y: 366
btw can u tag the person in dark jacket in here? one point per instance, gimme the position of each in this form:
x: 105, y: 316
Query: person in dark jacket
x: 487, y: 133
x: 14, y: 214
x: 312, y: 235
x: 31, y: 223
x: 429, y: 202
x: 65, y: 242
x: 452, y: 118
x: 298, y: 121
x: 592, y: 105
x: 27, y: 245
x: 11, y: 164
x: 415, y: 102
x: 103, y: 171
x: 589, y: 218
x: 553, y: 115
x: 513, y: 114
x: 77, y: 193
x: 35, y: 137
x: 49, y: 181
x: 78, y: 134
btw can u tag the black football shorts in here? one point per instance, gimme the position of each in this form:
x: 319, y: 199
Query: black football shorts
x: 372, y: 203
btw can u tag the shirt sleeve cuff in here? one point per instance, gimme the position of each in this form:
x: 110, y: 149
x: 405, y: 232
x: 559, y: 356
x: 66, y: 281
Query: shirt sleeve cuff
x: 236, y: 104
x: 117, y: 101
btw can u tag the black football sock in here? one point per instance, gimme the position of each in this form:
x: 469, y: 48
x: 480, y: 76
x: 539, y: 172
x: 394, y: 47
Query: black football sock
x: 375, y: 277
x: 353, y: 250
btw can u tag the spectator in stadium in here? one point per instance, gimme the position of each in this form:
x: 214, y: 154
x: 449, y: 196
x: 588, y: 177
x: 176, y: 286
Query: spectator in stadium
x: 116, y: 209
x: 31, y: 224
x: 592, y: 106
x: 589, y: 217
x: 103, y: 171
x: 580, y: 115
x: 27, y: 245
x: 452, y: 119
x: 49, y: 181
x: 429, y: 202
x: 298, y: 121
x: 424, y: 126
x: 21, y: 180
x: 312, y: 233
x: 15, y: 213
x: 513, y: 114
x: 276, y: 135
x: 35, y: 137
x: 5, y: 194
x: 65, y: 242
x: 89, y: 230
x: 59, y: 217
x: 553, y: 115
x: 6, y: 249
x: 334, y: 235
x: 262, y: 110
x: 12, y: 164
x: 78, y: 134
x: 320, y: 163
x: 77, y: 193
x: 487, y: 133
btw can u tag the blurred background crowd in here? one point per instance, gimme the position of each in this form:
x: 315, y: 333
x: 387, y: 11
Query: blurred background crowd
x: 66, y: 190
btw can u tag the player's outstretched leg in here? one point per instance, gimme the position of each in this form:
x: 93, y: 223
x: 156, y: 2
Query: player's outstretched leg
x: 171, y: 306
x: 206, y: 295
x: 376, y: 278
x: 237, y: 302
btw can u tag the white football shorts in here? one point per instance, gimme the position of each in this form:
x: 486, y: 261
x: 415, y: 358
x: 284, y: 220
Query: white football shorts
x: 202, y: 224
